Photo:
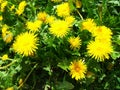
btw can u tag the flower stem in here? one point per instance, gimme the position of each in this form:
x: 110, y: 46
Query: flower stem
x: 80, y: 14
x: 4, y: 67
x: 27, y: 76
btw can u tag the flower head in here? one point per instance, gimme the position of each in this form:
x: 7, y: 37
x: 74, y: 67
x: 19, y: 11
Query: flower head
x: 34, y: 26
x: 102, y: 30
x: 25, y: 43
x: 59, y: 28
x: 1, y: 17
x: 99, y: 50
x: 50, y: 19
x: 78, y: 69
x: 12, y: 7
x: 6, y: 35
x: 10, y: 88
x: 63, y: 10
x: 75, y: 42
x: 70, y: 20
x: 42, y: 16
x: 104, y: 39
x: 78, y: 4
x: 4, y: 28
x: 1, y: 1
x: 4, y: 57
x: 56, y: 0
x: 21, y: 7
x: 3, y: 5
x: 89, y: 25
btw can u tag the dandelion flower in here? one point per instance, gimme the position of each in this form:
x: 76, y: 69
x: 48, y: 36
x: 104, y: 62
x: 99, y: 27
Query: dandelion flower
x: 75, y: 42
x: 78, y: 4
x: 56, y: 0
x: 50, y: 19
x: 1, y: 17
x: 59, y: 28
x: 12, y: 7
x: 63, y: 10
x: 20, y: 81
x: 34, y: 26
x: 3, y: 5
x: 103, y: 34
x: 42, y: 16
x: 4, y: 28
x: 25, y: 43
x: 10, y: 88
x: 6, y: 35
x: 89, y: 25
x: 1, y: 1
x: 103, y: 39
x: 102, y: 30
x: 21, y: 7
x: 78, y: 69
x: 99, y: 50
x: 4, y: 57
x: 70, y: 20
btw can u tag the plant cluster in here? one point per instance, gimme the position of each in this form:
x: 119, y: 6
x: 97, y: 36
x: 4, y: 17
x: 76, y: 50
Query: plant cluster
x: 59, y: 44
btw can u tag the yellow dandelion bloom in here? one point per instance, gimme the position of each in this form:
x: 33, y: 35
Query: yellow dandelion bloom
x: 75, y: 42
x: 1, y: 1
x: 6, y: 35
x: 34, y: 26
x: 4, y: 29
x: 103, y: 39
x: 59, y: 28
x: 42, y: 16
x: 20, y: 81
x: 4, y: 57
x: 50, y: 19
x: 1, y: 17
x: 25, y: 43
x: 99, y: 50
x: 21, y: 7
x: 102, y: 30
x: 89, y: 25
x: 70, y: 20
x: 63, y: 10
x: 3, y: 5
x: 10, y: 88
x: 78, y: 4
x: 78, y: 69
x: 12, y: 7
x: 56, y: 0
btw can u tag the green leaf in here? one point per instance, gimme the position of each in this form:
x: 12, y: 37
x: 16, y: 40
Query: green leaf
x: 72, y: 8
x: 115, y: 55
x: 117, y: 87
x: 106, y: 85
x: 65, y: 85
x: 48, y: 68
x: 117, y: 3
x: 64, y: 65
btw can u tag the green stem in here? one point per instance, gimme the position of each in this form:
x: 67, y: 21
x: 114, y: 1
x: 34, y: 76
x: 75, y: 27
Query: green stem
x: 4, y: 67
x: 27, y: 76
x: 80, y: 15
